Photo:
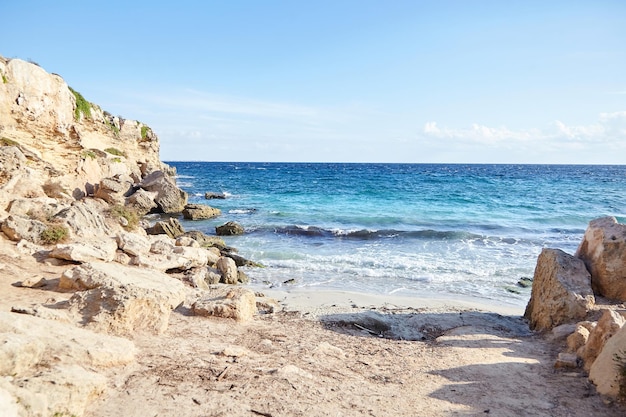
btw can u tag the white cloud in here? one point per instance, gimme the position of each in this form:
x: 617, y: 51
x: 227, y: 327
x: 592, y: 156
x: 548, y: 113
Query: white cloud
x: 610, y: 129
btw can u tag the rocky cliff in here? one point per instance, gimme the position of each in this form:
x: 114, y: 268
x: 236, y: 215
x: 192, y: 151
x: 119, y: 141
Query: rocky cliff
x: 80, y: 272
x: 65, y: 138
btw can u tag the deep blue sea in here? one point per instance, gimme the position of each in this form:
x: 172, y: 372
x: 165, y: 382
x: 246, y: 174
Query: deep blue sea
x: 406, y: 229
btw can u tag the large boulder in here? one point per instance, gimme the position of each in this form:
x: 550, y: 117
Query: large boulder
x: 561, y: 291
x: 121, y: 299
x: 86, y: 250
x: 170, y: 198
x: 227, y: 302
x: 228, y: 269
x: 608, y: 371
x: 200, y: 212
x: 608, y: 325
x: 166, y: 257
x: 133, y: 244
x: 171, y: 227
x: 37, y: 208
x: 142, y: 201
x: 229, y: 229
x: 17, y: 228
x: 113, y: 190
x: 603, y: 249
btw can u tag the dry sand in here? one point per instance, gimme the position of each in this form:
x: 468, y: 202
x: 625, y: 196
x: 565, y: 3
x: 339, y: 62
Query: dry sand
x: 338, y: 354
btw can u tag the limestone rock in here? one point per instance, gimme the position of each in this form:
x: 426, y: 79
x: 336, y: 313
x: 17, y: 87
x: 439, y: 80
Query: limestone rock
x: 200, y: 211
x: 608, y: 325
x: 561, y: 291
x: 113, y: 190
x: 12, y: 160
x: 86, y: 250
x: 186, y: 241
x: 123, y: 299
x: 577, y: 339
x: 142, y: 201
x: 227, y: 302
x: 171, y: 227
x: 133, y: 244
x: 70, y: 380
x: 206, y: 240
x: 17, y: 228
x: 40, y: 208
x: 228, y: 269
x: 605, y: 371
x: 85, y: 219
x: 169, y: 257
x: 170, y: 198
x: 229, y: 229
x: 603, y: 249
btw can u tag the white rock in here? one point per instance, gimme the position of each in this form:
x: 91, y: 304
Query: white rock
x: 86, y: 250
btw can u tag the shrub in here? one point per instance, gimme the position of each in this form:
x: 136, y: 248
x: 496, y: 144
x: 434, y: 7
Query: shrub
x: 54, y: 233
x: 82, y: 105
x: 114, y: 151
x: 4, y: 79
x: 132, y: 217
x: 54, y: 189
x: 144, y: 132
x: 88, y: 154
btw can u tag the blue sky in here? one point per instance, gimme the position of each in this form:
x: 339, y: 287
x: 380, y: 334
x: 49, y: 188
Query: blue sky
x: 351, y: 81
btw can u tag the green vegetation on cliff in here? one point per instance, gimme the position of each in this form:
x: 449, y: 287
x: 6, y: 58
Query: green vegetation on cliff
x: 82, y: 105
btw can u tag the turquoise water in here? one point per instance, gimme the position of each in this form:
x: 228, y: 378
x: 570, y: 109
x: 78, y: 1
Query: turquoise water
x: 406, y: 229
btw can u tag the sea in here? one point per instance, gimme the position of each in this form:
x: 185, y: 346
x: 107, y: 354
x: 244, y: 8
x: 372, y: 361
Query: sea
x: 423, y: 230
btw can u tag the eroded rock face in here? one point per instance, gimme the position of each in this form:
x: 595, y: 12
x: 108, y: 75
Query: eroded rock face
x: 227, y: 302
x: 605, y: 371
x: 122, y: 300
x: 85, y: 219
x: 609, y: 324
x: 603, y: 249
x: 561, y: 291
x: 71, y: 380
x: 12, y: 160
x: 17, y: 228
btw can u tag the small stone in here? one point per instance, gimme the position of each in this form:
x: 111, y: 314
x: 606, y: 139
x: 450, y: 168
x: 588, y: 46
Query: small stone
x: 34, y: 282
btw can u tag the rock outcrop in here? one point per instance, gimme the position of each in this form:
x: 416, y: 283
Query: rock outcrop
x: 74, y: 181
x: 561, y: 291
x: 603, y: 249
x: 564, y: 291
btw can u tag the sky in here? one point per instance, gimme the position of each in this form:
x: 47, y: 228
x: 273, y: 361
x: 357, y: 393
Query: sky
x: 447, y: 81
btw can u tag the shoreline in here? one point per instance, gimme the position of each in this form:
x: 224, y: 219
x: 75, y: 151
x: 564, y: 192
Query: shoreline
x: 317, y: 302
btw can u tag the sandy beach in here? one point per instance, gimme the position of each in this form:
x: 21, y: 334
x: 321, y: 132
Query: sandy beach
x: 341, y: 354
